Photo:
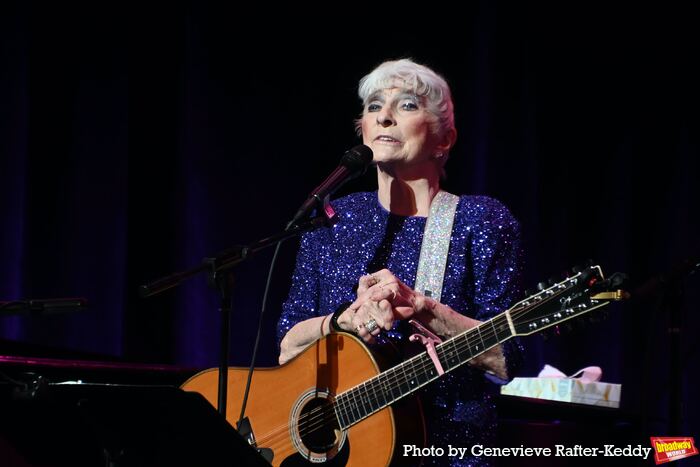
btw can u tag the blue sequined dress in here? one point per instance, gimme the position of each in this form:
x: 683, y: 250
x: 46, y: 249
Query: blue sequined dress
x: 481, y: 280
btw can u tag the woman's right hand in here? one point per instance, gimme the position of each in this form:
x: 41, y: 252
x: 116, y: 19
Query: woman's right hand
x: 364, y: 292
x: 367, y: 318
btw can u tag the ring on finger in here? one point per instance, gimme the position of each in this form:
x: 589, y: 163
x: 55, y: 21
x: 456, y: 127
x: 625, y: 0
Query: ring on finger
x: 371, y: 325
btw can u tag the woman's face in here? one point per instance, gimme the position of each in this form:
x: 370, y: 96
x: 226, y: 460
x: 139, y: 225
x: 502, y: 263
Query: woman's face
x: 400, y: 130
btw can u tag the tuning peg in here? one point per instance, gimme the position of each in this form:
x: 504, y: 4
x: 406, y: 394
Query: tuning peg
x: 529, y: 293
x: 551, y: 281
x: 541, y: 285
x: 576, y: 269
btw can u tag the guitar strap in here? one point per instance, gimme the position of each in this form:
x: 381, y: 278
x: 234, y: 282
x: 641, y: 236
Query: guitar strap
x: 436, y: 244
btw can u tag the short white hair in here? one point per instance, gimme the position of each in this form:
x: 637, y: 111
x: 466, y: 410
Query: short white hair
x: 419, y: 79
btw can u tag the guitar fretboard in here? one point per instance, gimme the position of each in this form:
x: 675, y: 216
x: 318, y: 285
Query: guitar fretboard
x: 388, y: 387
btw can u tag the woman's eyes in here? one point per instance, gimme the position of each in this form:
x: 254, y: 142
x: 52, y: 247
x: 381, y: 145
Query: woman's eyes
x: 403, y: 105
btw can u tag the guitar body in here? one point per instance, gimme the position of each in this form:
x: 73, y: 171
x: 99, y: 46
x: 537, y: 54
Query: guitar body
x: 289, y: 412
x: 297, y: 411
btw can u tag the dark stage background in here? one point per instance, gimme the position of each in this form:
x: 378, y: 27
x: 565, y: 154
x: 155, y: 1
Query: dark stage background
x: 135, y: 141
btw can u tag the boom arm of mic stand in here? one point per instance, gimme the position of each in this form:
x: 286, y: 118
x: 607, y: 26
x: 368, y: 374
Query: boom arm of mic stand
x: 229, y: 258
x: 220, y: 276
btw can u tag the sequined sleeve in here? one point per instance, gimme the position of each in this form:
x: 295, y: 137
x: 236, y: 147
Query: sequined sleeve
x: 497, y: 262
x: 302, y: 302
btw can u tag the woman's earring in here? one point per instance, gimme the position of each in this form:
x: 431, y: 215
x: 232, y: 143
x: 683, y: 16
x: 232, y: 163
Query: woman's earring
x: 439, y: 155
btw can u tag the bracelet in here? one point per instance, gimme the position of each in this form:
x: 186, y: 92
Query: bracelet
x: 333, y: 325
x: 323, y: 322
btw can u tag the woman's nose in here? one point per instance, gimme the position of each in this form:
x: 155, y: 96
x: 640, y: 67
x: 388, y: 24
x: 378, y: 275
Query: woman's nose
x: 385, y: 118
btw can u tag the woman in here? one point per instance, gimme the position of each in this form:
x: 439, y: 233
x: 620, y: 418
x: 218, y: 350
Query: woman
x: 408, y: 122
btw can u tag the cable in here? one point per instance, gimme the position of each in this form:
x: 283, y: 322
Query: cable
x: 257, y: 337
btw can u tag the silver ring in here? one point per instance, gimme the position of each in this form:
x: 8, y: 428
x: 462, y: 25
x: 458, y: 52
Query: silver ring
x: 371, y: 325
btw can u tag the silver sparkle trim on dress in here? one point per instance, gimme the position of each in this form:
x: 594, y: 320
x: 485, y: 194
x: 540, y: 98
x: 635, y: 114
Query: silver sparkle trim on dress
x: 436, y: 244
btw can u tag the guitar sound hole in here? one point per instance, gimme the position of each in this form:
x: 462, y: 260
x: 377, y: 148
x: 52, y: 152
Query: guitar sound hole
x: 318, y: 425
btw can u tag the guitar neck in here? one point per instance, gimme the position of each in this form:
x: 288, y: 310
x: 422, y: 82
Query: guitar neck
x: 389, y: 386
x: 568, y: 299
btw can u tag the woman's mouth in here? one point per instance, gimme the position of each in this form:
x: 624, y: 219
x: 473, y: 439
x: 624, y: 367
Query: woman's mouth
x: 387, y: 139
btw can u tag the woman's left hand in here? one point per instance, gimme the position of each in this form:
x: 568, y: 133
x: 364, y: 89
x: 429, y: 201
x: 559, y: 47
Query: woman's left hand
x: 383, y: 285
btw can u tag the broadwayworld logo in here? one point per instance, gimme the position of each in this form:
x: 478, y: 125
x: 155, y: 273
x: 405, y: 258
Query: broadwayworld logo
x: 669, y: 449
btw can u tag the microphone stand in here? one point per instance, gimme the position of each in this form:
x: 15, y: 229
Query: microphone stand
x: 220, y: 275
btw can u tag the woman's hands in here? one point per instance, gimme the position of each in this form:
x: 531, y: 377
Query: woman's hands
x: 381, y: 300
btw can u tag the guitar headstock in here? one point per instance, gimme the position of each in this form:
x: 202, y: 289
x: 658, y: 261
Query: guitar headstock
x: 577, y: 295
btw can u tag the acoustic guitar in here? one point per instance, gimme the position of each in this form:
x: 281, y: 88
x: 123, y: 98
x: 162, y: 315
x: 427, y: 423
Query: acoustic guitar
x: 338, y: 403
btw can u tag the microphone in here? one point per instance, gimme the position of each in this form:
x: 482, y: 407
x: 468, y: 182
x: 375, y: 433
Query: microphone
x: 353, y: 164
x: 44, y: 306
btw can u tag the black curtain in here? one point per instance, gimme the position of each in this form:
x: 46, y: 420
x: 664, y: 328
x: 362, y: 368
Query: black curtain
x: 138, y: 140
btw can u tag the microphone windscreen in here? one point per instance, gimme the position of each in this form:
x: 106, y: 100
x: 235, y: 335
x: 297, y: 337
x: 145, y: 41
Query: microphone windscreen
x: 357, y: 159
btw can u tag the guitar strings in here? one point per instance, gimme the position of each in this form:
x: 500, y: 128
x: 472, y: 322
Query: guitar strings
x: 318, y: 418
x: 313, y: 420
